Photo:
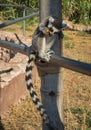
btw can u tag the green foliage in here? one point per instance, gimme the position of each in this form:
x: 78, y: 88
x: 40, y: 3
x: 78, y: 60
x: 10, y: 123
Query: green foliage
x: 69, y: 45
x: 32, y: 21
x: 9, y: 13
x: 66, y: 37
x: 80, y: 33
x: 80, y: 114
x: 78, y: 11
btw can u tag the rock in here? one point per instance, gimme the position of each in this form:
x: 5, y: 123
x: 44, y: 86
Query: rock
x: 12, y: 84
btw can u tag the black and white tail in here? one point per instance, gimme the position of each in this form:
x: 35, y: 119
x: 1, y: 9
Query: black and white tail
x: 32, y: 92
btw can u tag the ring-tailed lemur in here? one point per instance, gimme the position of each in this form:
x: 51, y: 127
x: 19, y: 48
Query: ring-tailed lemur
x: 41, y: 51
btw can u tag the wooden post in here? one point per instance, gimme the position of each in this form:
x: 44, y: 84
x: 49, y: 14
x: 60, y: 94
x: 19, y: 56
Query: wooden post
x: 24, y: 24
x: 51, y: 84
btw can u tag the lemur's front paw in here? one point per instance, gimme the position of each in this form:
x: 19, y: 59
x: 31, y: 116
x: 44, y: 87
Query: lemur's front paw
x: 46, y: 56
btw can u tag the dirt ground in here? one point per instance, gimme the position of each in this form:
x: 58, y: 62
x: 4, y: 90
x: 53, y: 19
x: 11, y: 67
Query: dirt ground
x: 77, y: 90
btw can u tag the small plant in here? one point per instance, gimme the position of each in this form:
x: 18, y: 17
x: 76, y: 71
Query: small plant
x: 66, y: 37
x: 80, y: 112
x: 81, y: 116
x: 82, y: 33
x: 88, y: 119
x: 31, y: 21
x: 69, y: 45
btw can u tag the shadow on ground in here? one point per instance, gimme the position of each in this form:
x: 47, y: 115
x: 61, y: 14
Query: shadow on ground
x: 1, y: 125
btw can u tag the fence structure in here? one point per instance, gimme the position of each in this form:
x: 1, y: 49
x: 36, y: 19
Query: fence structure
x: 24, y: 8
x: 18, y: 20
x: 61, y: 61
x: 55, y: 59
x: 67, y: 63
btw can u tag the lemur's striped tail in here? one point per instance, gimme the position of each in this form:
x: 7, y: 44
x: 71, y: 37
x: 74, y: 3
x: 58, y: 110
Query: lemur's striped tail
x: 32, y: 92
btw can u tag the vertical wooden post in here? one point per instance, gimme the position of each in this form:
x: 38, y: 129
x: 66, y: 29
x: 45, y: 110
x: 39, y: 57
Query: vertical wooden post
x: 51, y: 84
x: 24, y: 11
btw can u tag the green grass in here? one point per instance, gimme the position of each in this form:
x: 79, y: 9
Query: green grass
x: 66, y: 37
x: 82, y: 117
x: 82, y: 33
x: 69, y: 45
x: 79, y: 112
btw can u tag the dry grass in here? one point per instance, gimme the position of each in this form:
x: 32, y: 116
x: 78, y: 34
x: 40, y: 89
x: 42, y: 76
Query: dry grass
x: 77, y: 87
